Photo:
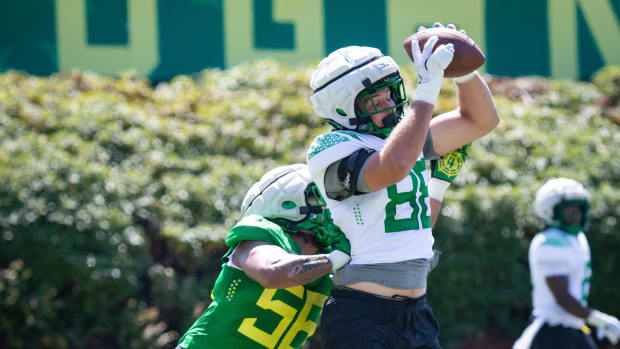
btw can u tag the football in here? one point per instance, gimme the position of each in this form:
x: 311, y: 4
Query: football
x: 467, y: 55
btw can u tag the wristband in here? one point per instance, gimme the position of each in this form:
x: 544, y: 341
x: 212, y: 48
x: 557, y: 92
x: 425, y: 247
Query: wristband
x: 338, y: 259
x: 437, y: 188
x: 465, y: 78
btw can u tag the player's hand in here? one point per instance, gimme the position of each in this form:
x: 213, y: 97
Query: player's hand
x: 429, y: 67
x: 459, y: 79
x: 341, y: 254
x: 606, y: 324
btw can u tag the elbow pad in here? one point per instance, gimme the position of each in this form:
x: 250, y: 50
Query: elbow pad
x: 347, y: 172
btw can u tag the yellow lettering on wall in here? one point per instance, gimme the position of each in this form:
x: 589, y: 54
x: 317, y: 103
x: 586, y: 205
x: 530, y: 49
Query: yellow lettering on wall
x: 404, y: 17
x: 564, y: 46
x: 141, y: 53
x: 306, y: 16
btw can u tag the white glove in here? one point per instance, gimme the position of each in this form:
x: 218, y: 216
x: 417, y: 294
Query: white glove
x: 606, y: 324
x: 439, y: 25
x: 458, y: 79
x: 429, y: 66
x: 465, y: 78
x: 338, y: 259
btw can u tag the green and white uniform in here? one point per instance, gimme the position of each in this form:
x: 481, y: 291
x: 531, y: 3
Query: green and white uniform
x: 386, y: 226
x: 553, y: 253
x: 244, y: 314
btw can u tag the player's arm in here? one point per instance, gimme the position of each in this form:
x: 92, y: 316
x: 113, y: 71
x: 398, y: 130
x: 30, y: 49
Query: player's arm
x: 435, y: 209
x: 475, y: 117
x: 607, y: 324
x: 404, y: 145
x: 443, y: 172
x: 401, y: 150
x: 273, y: 267
x: 553, y: 260
x: 558, y: 285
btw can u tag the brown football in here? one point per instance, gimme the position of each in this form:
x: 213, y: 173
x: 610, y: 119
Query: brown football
x: 467, y: 55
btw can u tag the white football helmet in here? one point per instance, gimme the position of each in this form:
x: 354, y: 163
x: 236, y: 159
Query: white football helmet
x: 282, y: 196
x: 344, y: 75
x: 557, y: 193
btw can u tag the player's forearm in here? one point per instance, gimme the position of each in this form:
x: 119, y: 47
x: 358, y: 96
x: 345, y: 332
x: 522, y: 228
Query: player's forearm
x: 405, y: 144
x: 298, y: 270
x: 572, y: 305
x: 476, y: 103
x: 435, y: 209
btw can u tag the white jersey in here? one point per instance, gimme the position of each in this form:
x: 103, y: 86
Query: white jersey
x: 554, y: 253
x: 389, y: 225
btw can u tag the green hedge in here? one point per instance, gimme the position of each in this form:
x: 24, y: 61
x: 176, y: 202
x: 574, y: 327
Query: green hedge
x: 115, y: 196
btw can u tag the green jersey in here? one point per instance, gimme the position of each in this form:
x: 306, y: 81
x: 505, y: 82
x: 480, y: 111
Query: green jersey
x: 244, y: 314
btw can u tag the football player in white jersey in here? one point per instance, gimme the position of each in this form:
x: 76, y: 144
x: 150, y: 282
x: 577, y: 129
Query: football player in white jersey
x: 559, y: 258
x: 372, y: 173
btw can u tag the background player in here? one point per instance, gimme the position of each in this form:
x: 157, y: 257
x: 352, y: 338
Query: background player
x: 559, y: 258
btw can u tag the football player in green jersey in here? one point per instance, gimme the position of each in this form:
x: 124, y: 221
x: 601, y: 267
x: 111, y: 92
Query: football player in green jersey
x: 371, y: 169
x: 273, y: 283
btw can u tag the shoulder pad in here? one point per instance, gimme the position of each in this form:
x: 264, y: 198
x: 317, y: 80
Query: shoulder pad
x: 326, y: 141
x: 254, y: 227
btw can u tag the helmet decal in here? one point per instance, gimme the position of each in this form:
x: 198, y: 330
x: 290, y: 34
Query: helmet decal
x: 288, y: 204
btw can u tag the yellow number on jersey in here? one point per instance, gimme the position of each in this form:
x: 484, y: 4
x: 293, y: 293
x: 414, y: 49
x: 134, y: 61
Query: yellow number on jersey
x: 288, y: 313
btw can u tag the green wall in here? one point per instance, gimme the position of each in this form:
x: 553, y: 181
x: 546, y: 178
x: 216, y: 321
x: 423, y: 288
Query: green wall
x: 164, y: 38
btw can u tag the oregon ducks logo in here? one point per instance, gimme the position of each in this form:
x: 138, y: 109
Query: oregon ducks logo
x: 451, y: 164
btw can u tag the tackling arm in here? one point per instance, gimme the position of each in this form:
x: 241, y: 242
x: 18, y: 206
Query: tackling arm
x: 273, y: 267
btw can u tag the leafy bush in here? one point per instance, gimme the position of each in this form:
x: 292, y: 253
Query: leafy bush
x: 481, y: 289
x: 116, y: 196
